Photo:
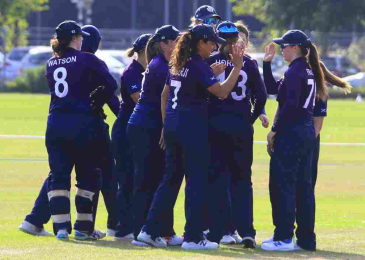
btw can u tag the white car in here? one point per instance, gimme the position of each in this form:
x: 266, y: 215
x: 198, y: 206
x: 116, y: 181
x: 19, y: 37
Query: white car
x: 356, y: 80
x: 278, y: 65
x: 120, y: 55
x: 115, y: 67
x: 36, y: 56
x: 13, y: 61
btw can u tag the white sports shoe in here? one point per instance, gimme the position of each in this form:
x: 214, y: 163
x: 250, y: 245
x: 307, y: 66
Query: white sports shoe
x: 29, y: 228
x: 139, y: 243
x: 284, y: 245
x: 128, y: 237
x: 203, y: 244
x: 174, y: 240
x: 157, y: 242
x: 111, y: 232
x: 268, y: 240
x: 227, y: 240
x: 297, y: 247
x: 99, y: 233
x: 236, y: 237
x: 62, y: 234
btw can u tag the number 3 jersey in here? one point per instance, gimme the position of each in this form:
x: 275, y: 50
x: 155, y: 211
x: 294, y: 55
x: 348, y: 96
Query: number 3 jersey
x: 73, y: 77
x: 249, y: 88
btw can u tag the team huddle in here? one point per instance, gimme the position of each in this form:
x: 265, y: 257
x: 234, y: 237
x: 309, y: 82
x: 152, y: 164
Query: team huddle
x: 188, y: 104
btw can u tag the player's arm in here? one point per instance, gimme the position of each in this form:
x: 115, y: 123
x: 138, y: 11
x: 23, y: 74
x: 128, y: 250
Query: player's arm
x: 271, y: 84
x: 318, y: 123
x: 259, y: 94
x: 164, y: 96
x: 113, y: 104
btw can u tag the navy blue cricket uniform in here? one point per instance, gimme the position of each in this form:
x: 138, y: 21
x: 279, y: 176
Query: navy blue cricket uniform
x: 72, y: 136
x: 320, y: 110
x: 187, y: 148
x: 144, y: 132
x: 231, y: 139
x: 291, y: 191
x: 130, y: 83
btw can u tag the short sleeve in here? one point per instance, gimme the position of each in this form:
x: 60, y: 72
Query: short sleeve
x: 168, y: 79
x: 205, y: 75
x: 320, y: 108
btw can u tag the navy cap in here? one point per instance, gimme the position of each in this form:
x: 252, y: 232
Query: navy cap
x: 293, y: 37
x: 204, y: 31
x: 141, y: 42
x: 91, y: 43
x: 166, y: 32
x: 227, y: 30
x: 69, y: 28
x: 206, y: 11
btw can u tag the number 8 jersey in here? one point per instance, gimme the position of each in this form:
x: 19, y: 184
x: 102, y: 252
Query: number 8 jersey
x: 249, y: 87
x: 73, y: 77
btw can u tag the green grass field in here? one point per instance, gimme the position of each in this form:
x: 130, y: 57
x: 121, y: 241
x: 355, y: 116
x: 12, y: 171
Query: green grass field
x: 340, y: 219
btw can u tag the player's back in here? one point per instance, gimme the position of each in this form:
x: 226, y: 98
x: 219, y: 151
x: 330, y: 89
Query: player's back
x: 70, y: 80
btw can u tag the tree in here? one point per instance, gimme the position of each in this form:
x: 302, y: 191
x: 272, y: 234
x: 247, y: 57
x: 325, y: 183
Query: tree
x: 13, y: 14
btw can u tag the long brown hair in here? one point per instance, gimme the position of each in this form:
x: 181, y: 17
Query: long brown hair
x: 59, y: 45
x: 185, y: 46
x: 242, y: 28
x: 321, y: 73
x: 153, y: 48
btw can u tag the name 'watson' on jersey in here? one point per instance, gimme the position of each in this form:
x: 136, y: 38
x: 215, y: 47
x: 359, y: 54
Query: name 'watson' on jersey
x: 70, y: 80
x: 240, y: 96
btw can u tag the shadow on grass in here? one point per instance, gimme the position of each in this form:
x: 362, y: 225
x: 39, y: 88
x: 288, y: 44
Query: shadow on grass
x: 230, y: 251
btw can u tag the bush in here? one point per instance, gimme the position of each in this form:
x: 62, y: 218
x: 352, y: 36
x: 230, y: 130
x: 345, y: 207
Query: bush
x: 356, y: 52
x: 33, y: 81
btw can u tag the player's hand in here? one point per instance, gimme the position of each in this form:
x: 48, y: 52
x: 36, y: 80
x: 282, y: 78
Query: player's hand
x: 218, y: 68
x: 264, y: 120
x: 270, y: 142
x: 236, y: 56
x: 162, y: 141
x: 269, y: 52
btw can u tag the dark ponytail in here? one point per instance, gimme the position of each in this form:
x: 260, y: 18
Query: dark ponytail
x: 182, y: 52
x: 59, y: 45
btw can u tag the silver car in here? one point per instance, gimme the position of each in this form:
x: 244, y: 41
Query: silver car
x: 36, y: 56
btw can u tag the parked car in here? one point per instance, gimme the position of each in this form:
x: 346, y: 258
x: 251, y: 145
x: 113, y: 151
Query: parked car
x: 356, y: 80
x: 35, y: 57
x: 120, y: 55
x: 115, y: 67
x: 2, y: 57
x: 13, y: 61
x: 340, y: 65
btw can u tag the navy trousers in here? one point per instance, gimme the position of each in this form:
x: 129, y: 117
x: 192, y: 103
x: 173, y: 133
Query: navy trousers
x: 40, y: 214
x: 124, y: 169
x: 187, y: 151
x: 231, y: 140
x: 291, y: 191
x: 149, y: 169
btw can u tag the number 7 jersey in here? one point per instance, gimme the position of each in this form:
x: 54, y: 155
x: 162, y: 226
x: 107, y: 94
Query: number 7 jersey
x: 249, y: 88
x: 73, y: 77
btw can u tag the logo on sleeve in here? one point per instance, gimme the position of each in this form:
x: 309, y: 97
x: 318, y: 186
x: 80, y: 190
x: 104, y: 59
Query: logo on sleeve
x: 134, y: 87
x: 212, y: 78
x: 323, y: 110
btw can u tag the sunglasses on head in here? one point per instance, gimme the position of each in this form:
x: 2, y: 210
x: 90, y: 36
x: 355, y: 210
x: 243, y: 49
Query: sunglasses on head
x: 226, y: 29
x: 211, y: 20
x: 284, y: 45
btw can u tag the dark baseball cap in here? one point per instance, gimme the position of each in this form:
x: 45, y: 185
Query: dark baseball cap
x: 293, y: 37
x: 227, y: 30
x: 166, y: 32
x: 206, y: 11
x: 91, y: 43
x: 141, y: 42
x: 69, y: 28
x: 204, y: 31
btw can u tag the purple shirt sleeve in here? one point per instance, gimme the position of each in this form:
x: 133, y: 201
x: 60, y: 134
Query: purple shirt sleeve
x: 205, y: 75
x: 259, y: 94
x: 271, y: 84
x: 320, y: 108
x: 113, y: 104
x: 287, y: 112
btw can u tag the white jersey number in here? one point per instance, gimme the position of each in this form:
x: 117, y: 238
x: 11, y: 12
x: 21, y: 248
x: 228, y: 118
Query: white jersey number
x: 177, y: 85
x: 241, y: 84
x: 313, y: 88
x: 60, y: 81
